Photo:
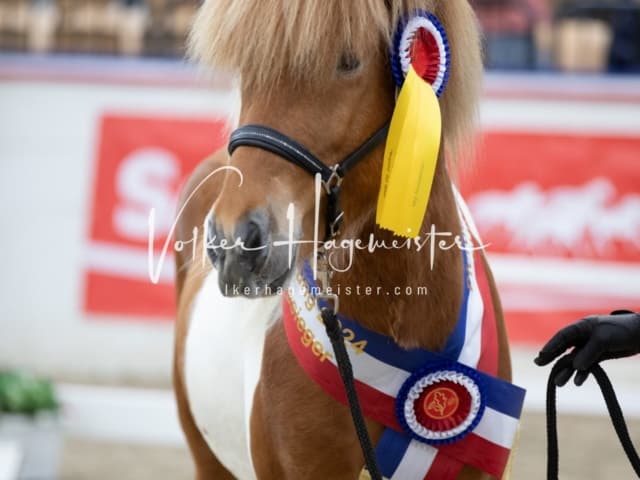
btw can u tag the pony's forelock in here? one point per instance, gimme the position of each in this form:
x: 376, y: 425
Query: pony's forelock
x: 265, y: 40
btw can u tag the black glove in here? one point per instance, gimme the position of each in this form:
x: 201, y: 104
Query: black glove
x: 595, y: 338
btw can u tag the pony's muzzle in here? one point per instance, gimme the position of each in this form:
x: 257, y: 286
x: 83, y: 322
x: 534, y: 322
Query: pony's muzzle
x: 245, y: 261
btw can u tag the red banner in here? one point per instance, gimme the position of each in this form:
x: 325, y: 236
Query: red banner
x: 561, y: 214
x: 141, y: 165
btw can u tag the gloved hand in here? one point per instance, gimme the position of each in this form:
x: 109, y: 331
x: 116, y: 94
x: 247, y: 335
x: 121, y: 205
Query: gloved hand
x: 595, y: 338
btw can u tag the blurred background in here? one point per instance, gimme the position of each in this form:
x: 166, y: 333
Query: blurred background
x: 101, y: 119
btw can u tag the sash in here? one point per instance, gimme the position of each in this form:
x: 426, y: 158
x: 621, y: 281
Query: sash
x: 441, y: 411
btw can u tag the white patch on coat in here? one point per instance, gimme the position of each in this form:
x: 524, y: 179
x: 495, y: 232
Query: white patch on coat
x: 223, y: 357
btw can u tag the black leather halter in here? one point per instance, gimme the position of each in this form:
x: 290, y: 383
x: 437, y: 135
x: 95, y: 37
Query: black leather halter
x: 279, y: 144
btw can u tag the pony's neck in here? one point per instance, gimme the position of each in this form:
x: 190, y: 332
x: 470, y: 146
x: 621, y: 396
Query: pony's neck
x: 397, y: 305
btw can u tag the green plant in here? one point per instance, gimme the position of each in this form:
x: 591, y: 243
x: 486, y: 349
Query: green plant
x: 23, y: 393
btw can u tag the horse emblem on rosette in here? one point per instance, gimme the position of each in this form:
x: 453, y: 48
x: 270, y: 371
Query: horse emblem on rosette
x: 342, y: 322
x: 441, y: 403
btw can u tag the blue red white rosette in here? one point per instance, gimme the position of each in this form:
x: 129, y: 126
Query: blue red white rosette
x: 440, y: 405
x: 420, y: 40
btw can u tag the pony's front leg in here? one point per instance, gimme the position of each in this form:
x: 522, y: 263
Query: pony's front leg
x: 297, y: 431
x: 264, y: 450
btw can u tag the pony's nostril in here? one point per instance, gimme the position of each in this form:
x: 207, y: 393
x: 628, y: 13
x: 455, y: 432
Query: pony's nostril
x: 252, y: 234
x: 253, y: 239
x: 213, y: 255
x: 211, y: 238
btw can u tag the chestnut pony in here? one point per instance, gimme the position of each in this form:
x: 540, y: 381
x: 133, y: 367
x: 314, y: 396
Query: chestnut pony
x: 317, y: 71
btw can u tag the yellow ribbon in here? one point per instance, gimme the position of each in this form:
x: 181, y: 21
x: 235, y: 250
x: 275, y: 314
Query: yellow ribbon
x: 410, y: 158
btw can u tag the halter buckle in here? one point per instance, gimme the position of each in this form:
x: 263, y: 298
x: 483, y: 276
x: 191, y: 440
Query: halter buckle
x: 324, y: 272
x: 324, y: 275
x: 334, y: 181
x: 332, y: 298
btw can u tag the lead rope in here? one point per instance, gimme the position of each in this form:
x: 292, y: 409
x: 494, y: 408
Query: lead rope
x: 334, y: 332
x: 330, y: 320
x: 615, y: 412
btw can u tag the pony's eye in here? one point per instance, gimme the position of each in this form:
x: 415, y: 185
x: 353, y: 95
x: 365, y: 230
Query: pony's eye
x: 348, y: 63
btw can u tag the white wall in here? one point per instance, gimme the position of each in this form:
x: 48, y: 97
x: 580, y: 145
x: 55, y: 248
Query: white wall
x: 46, y: 158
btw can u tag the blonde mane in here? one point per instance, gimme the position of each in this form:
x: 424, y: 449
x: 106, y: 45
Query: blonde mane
x: 263, y: 40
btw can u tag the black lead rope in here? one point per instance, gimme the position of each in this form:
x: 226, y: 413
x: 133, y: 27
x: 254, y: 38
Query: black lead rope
x: 334, y: 332
x: 615, y: 412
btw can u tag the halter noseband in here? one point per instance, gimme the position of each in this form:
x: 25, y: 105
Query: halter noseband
x: 279, y: 144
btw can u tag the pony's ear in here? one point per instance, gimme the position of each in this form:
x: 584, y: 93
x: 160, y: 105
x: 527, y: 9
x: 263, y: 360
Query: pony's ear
x: 459, y: 101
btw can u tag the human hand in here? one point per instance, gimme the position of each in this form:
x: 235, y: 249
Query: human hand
x: 594, y: 338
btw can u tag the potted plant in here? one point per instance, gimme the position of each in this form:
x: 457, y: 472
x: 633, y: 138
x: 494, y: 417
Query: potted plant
x: 30, y: 435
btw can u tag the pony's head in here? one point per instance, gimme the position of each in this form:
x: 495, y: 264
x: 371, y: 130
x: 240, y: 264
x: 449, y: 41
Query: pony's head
x: 317, y: 71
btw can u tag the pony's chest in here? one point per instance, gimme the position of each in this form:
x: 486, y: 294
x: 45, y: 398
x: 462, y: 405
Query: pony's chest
x: 223, y: 355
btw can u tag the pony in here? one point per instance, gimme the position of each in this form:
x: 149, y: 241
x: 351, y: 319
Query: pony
x: 318, y: 71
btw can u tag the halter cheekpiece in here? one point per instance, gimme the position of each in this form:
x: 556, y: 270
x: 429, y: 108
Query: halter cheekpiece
x: 275, y: 142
